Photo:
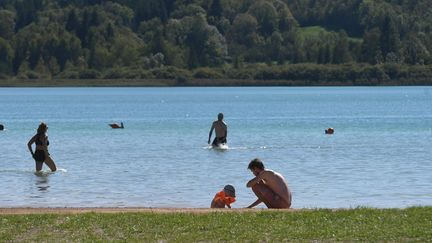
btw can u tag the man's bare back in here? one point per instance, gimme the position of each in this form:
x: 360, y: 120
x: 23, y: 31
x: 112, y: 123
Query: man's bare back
x: 220, y: 128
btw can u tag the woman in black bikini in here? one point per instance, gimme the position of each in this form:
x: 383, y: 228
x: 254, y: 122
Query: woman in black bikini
x: 41, y: 154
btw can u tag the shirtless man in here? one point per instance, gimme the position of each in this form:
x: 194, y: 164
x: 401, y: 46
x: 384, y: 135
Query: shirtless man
x: 221, y: 131
x: 270, y: 187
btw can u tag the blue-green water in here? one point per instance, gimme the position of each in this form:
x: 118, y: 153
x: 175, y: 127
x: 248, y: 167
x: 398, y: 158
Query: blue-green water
x: 379, y: 156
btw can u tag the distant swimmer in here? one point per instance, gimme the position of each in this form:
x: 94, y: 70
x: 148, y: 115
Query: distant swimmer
x: 224, y: 198
x: 329, y: 131
x: 41, y: 154
x: 1, y: 127
x: 221, y: 130
x: 115, y: 125
x: 269, y: 186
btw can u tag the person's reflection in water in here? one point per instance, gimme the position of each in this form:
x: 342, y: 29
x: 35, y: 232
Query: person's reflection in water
x: 42, y: 181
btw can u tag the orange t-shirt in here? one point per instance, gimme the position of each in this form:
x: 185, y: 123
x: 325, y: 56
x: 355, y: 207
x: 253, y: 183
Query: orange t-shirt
x: 227, y: 200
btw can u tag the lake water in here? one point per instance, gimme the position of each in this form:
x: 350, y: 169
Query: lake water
x: 379, y: 156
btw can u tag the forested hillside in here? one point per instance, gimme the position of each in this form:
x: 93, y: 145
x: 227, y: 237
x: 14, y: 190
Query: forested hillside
x: 239, y: 39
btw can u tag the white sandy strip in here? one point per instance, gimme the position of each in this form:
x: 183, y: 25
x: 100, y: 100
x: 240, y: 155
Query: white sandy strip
x: 5, y: 211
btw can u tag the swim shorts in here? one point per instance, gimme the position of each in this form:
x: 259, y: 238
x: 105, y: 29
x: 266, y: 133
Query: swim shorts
x: 218, y: 141
x: 39, y: 156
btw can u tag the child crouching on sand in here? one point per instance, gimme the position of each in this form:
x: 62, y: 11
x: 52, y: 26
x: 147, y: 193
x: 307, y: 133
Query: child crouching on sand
x: 224, y: 198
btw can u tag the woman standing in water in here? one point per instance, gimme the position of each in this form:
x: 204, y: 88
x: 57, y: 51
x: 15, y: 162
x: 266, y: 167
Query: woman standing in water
x: 41, y: 154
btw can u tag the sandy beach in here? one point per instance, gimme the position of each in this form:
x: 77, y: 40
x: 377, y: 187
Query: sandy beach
x: 15, y: 211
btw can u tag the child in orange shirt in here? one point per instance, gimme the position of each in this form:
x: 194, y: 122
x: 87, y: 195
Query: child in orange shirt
x: 224, y: 198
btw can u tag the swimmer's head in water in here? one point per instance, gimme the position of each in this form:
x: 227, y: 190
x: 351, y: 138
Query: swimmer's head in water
x: 229, y: 190
x: 220, y: 116
x: 329, y: 130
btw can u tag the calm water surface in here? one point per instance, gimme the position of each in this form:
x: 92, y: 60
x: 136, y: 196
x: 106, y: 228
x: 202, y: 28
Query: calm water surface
x: 379, y: 156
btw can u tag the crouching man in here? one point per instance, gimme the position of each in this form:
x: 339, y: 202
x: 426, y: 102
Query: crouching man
x: 269, y: 186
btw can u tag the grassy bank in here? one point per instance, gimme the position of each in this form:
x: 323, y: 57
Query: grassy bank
x: 362, y: 224
x: 248, y: 75
x: 189, y: 83
x: 87, y: 82
x: 159, y: 83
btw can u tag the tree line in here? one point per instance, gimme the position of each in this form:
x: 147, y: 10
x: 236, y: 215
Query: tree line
x: 211, y: 38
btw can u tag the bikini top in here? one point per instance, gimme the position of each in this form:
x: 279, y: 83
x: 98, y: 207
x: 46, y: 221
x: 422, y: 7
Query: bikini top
x: 39, y: 142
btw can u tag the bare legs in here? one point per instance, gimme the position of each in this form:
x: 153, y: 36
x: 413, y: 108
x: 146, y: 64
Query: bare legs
x: 50, y: 163
x: 39, y: 166
x: 269, y: 197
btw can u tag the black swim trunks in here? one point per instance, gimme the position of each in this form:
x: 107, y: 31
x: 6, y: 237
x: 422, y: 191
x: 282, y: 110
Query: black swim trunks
x: 218, y: 141
x: 39, y: 156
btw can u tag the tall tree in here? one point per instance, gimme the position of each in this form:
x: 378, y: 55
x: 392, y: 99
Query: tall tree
x: 341, y: 49
x: 244, y: 30
x: 390, y: 40
x: 266, y: 15
x: 7, y: 24
x: 72, y: 21
x: 215, y: 8
x: 371, y: 47
x: 6, y: 57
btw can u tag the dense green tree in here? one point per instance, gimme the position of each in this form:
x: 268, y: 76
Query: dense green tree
x: 72, y: 21
x: 215, y: 8
x: 371, y: 47
x: 80, y: 38
x: 244, y: 30
x: 389, y: 37
x: 415, y: 52
x: 205, y: 44
x: 6, y: 57
x: 341, y: 49
x: 7, y: 24
x: 119, y: 14
x: 27, y: 11
x: 298, y: 52
x: 266, y: 15
x: 148, y: 9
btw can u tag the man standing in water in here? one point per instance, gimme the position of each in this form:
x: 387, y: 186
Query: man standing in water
x: 269, y: 186
x: 221, y: 131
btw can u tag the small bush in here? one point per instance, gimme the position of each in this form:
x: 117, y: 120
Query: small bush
x: 32, y: 75
x: 170, y: 73
x: 181, y: 80
x: 68, y: 75
x: 3, y: 76
x: 114, y: 74
x: 146, y: 74
x: 207, y: 73
x: 89, y: 74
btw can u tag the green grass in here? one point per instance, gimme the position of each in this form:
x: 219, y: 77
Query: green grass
x: 361, y: 224
x: 313, y: 31
x: 316, y: 32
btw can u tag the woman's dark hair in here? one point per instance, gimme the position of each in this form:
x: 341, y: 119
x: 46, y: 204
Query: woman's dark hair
x: 42, y: 128
x: 256, y: 163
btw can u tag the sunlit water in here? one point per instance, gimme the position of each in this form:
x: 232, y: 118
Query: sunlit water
x: 379, y: 156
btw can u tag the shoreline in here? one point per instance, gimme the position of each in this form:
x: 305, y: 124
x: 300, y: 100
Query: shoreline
x: 88, y: 83
x: 80, y: 210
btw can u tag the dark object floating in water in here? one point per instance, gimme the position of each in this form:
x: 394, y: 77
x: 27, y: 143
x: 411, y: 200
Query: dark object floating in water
x: 329, y: 131
x: 115, y: 125
x: 1, y: 127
